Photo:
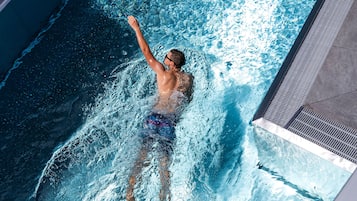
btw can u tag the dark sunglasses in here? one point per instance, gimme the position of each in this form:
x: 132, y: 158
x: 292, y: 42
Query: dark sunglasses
x: 166, y: 57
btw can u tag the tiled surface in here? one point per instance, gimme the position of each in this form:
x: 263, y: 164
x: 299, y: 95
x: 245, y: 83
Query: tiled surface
x: 334, y: 92
x: 336, y: 77
x: 341, y: 108
x: 347, y: 37
x: 294, y: 89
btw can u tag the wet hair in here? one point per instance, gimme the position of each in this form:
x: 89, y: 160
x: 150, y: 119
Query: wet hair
x: 178, y: 57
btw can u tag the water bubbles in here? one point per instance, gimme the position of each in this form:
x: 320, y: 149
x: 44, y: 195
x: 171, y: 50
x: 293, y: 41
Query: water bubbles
x: 229, y: 65
x: 219, y: 44
x: 231, y: 47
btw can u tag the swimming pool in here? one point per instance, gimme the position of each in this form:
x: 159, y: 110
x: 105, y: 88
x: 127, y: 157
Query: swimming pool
x: 234, y: 50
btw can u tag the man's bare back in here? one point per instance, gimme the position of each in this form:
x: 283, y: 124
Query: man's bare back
x: 170, y: 99
x: 169, y: 81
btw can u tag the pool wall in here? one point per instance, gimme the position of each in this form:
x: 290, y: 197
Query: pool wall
x: 20, y: 21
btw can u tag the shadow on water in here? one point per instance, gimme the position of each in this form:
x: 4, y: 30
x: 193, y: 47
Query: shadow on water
x: 41, y: 103
x: 223, y: 165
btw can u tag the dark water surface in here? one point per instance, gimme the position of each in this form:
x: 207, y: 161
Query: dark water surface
x: 41, y: 103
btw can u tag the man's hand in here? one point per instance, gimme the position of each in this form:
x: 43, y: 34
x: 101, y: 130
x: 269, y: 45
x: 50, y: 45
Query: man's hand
x: 133, y: 23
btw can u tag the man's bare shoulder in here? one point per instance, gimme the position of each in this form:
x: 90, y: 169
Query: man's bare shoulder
x: 187, y: 76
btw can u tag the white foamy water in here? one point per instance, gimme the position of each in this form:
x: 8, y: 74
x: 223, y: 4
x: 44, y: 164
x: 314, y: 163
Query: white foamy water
x: 233, y: 49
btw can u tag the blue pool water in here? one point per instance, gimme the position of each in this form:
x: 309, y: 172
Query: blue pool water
x: 74, y: 106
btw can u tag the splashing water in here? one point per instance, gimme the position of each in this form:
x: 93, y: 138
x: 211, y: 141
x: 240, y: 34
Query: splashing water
x: 233, y: 49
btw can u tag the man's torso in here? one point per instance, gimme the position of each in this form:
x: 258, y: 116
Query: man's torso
x: 174, y: 90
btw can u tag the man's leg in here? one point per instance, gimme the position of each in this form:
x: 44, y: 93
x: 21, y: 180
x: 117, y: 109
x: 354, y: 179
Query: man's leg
x: 139, y: 164
x: 165, y: 160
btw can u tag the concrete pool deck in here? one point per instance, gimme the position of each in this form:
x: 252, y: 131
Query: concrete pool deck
x: 314, y: 94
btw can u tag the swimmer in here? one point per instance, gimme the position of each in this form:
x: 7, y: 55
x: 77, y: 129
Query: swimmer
x: 174, y: 92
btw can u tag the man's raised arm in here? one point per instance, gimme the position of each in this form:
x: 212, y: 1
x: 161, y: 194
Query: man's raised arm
x: 153, y: 63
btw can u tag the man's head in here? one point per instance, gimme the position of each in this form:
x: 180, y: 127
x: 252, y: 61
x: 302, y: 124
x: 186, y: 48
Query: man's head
x: 176, y: 57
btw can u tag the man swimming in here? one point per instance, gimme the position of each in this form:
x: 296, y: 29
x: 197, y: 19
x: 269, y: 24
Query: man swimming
x: 174, y: 92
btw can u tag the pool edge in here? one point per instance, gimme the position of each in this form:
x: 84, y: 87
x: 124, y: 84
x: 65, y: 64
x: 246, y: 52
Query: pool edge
x: 300, y: 81
x: 305, y: 144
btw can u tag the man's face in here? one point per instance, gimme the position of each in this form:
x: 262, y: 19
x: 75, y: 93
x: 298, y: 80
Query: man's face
x: 168, y: 61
